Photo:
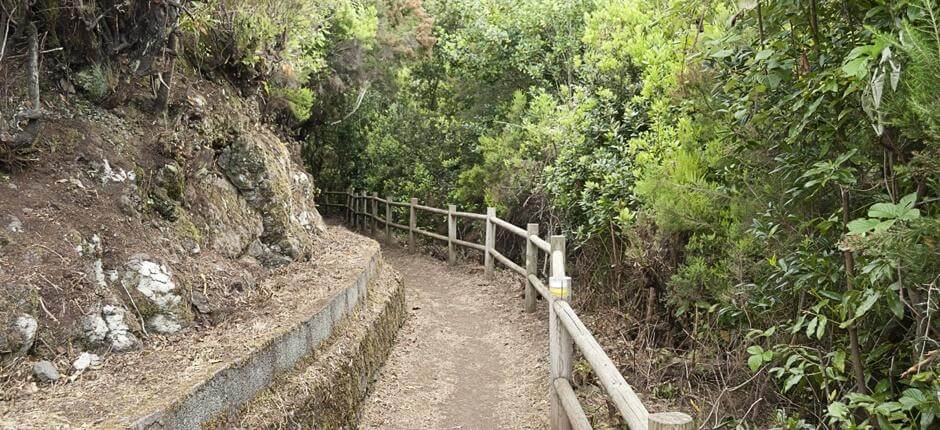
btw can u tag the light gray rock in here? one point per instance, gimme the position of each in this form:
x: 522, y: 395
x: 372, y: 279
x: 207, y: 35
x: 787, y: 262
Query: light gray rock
x: 163, y: 324
x: 45, y: 371
x: 108, y: 328
x: 26, y: 327
x: 13, y: 224
x: 154, y: 282
x: 86, y: 360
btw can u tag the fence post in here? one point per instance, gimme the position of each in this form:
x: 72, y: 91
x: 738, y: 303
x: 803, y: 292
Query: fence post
x: 360, y: 204
x: 375, y: 213
x: 670, y: 421
x: 531, y: 265
x: 388, y: 219
x: 560, y: 345
x: 412, y: 224
x: 354, y: 204
x: 362, y: 211
x: 490, y: 242
x: 349, y: 206
x: 451, y: 234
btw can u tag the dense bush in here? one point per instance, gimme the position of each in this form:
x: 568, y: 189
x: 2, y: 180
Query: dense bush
x: 764, y: 172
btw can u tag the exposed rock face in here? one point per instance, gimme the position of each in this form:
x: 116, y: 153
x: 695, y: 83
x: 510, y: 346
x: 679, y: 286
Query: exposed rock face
x: 108, y: 328
x: 163, y: 308
x: 259, y: 166
x: 232, y: 224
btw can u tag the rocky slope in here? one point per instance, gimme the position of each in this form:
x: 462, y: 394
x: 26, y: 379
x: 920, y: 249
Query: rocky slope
x: 129, y: 227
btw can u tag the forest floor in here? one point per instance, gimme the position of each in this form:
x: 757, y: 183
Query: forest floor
x: 469, y: 357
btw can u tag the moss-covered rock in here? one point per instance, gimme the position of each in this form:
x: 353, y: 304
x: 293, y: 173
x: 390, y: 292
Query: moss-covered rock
x: 259, y: 166
x: 231, y: 224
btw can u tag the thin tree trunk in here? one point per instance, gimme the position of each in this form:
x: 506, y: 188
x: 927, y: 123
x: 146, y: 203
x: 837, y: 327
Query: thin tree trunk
x: 856, y: 352
x: 33, y: 85
x: 166, y: 78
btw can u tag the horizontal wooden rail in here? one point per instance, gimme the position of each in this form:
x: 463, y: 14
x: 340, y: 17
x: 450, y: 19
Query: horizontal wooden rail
x: 566, y: 331
x: 626, y: 401
x: 470, y: 215
x: 508, y: 263
x: 569, y: 400
x: 431, y: 234
x: 476, y: 246
x: 539, y: 243
x: 540, y: 287
x: 399, y: 226
x: 518, y: 231
x: 432, y: 209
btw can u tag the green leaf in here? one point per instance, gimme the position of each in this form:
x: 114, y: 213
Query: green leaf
x: 871, y: 297
x: 894, y: 303
x: 723, y: 53
x: 763, y: 55
x: 821, y: 327
x: 838, y: 360
x: 908, y: 200
x: 754, y: 362
x: 838, y: 410
x: 811, y: 327
x: 856, y: 68
x: 755, y: 350
x: 791, y: 381
x: 862, y: 226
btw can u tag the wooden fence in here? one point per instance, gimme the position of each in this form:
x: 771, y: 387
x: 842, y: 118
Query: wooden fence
x: 565, y: 329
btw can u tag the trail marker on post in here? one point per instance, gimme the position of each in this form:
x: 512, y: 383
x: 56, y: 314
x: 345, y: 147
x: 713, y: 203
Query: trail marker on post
x: 560, y: 344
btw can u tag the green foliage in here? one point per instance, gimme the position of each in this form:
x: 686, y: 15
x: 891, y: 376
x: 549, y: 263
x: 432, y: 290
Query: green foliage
x: 768, y: 169
x: 299, y: 101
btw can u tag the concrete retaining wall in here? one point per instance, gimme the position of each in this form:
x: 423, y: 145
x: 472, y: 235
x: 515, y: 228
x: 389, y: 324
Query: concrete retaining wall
x: 227, y: 390
x: 327, y: 390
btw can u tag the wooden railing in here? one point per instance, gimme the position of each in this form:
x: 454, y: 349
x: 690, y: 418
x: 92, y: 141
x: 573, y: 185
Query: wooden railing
x: 565, y: 329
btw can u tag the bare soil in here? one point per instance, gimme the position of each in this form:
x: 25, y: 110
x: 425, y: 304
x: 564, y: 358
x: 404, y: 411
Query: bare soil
x: 468, y: 358
x: 130, y: 385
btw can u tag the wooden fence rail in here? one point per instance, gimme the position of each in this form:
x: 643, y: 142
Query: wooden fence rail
x: 565, y: 329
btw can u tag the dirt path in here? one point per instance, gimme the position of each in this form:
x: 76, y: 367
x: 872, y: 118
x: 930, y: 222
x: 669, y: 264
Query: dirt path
x: 468, y: 358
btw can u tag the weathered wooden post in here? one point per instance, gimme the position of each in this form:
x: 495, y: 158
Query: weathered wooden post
x: 360, y: 208
x: 388, y: 219
x: 670, y: 421
x: 451, y: 234
x: 352, y: 209
x: 362, y: 211
x: 560, y: 344
x: 531, y: 265
x: 490, y: 241
x: 375, y: 213
x: 349, y: 193
x: 412, y: 224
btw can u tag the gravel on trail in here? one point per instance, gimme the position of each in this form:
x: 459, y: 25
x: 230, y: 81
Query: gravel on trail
x: 469, y: 357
